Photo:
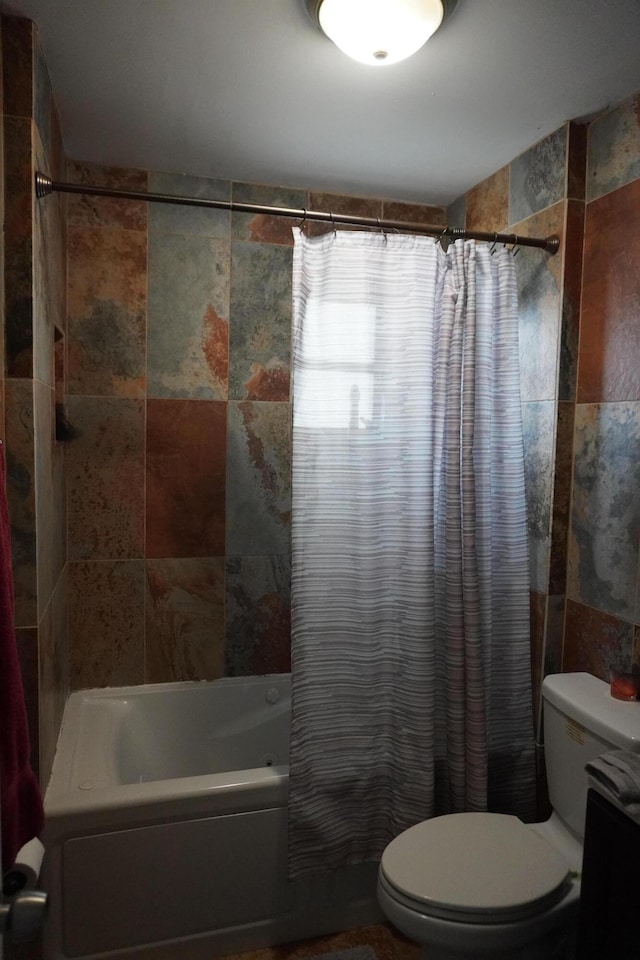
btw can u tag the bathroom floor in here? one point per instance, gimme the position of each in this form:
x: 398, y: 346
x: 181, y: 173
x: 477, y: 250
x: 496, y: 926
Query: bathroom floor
x: 388, y: 944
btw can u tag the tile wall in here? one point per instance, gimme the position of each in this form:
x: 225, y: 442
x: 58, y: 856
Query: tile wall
x: 602, y: 626
x: 580, y: 369
x: 178, y: 368
x: 541, y: 193
x: 34, y: 301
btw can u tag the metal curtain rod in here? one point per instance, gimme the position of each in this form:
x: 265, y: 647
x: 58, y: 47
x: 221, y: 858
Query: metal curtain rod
x: 45, y: 186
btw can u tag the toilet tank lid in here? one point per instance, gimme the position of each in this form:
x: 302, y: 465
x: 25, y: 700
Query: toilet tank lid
x: 588, y: 700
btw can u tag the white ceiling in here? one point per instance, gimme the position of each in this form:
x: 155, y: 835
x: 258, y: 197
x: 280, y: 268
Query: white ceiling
x: 251, y: 90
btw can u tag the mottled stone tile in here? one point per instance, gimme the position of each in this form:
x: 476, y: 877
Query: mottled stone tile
x: 554, y: 635
x: 613, y: 153
x: 92, y: 211
x: 457, y: 212
x: 54, y: 680
x: 610, y: 323
x: 17, y: 66
x: 537, y: 176
x: 59, y: 365
x: 57, y: 161
x: 564, y: 432
x: 260, y: 335
x: 263, y: 228
x: 487, y: 204
x: 414, y: 213
x: 561, y: 498
x: 577, y: 161
x: 403, y: 948
x: 185, y: 478
x: 539, y: 292
x: 27, y: 646
x: 107, y: 302
x: 386, y: 943
x: 42, y: 98
x: 106, y: 623
x: 538, y: 434
x: 105, y: 476
x: 543, y: 804
x: 60, y: 612
x: 605, y: 520
x: 537, y: 610
x: 49, y: 279
x: 17, y: 249
x: 21, y: 492
x: 338, y: 204
x: 571, y: 294
x: 595, y: 641
x: 258, y: 479
x: 46, y: 748
x: 188, y: 336
x: 258, y: 632
x: 47, y: 516
x: 185, y: 220
x: 59, y: 499
x: 185, y: 603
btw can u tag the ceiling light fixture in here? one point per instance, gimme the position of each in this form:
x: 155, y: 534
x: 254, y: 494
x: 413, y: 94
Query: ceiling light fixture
x: 380, y: 32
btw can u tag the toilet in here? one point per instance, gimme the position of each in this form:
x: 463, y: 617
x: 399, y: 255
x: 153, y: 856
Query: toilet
x: 485, y: 885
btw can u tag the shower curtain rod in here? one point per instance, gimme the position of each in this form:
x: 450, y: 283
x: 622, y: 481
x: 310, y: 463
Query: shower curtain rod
x: 45, y: 185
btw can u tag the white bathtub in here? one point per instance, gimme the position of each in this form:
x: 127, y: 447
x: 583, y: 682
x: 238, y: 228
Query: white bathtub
x: 166, y: 827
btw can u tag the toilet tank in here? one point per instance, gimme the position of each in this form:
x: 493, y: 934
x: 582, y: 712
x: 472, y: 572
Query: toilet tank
x: 581, y: 721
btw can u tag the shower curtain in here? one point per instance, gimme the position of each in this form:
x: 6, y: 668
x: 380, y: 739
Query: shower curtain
x: 411, y: 662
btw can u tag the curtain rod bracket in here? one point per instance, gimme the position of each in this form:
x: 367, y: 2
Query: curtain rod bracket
x: 44, y: 185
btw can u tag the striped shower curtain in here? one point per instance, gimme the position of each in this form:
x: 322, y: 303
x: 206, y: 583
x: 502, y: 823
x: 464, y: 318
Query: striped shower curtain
x: 411, y: 664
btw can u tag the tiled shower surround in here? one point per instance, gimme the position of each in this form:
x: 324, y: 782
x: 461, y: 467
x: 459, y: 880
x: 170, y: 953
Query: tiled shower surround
x: 170, y: 549
x: 178, y: 369
x: 580, y: 365
x: 33, y: 296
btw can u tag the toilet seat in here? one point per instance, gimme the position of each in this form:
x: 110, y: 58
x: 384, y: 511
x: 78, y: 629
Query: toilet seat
x: 474, y: 868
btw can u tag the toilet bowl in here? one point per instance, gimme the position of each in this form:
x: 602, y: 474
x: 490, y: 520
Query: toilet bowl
x: 469, y: 886
x: 481, y: 885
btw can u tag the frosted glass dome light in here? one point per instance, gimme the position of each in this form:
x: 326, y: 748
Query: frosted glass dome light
x: 380, y: 32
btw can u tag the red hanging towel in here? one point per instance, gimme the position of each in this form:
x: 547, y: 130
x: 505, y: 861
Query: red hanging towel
x: 20, y: 798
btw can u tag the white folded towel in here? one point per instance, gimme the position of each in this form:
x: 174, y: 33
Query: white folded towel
x: 618, y: 772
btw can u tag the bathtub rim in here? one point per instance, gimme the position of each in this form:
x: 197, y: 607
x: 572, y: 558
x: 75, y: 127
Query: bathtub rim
x: 261, y: 786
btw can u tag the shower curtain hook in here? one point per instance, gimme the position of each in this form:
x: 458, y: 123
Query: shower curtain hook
x: 492, y: 248
x: 304, y: 218
x: 515, y: 248
x: 440, y: 236
x: 333, y: 223
x: 381, y: 229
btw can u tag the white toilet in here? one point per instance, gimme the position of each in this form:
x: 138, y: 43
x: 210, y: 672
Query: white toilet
x: 483, y: 885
